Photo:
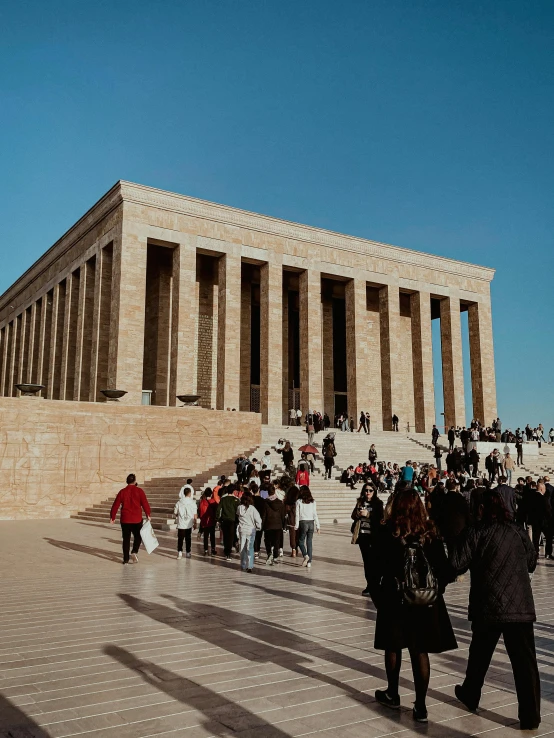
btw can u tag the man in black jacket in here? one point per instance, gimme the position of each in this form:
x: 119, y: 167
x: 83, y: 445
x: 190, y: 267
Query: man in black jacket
x: 549, y: 532
x: 451, y: 438
x: 500, y: 556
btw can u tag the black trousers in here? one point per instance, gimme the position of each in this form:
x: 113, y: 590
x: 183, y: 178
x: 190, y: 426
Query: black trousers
x: 258, y: 541
x: 519, y: 640
x: 209, y: 533
x: 370, y: 565
x: 536, y: 529
x: 186, y: 536
x: 228, y: 530
x: 272, y: 542
x: 126, y: 530
x: 548, y: 535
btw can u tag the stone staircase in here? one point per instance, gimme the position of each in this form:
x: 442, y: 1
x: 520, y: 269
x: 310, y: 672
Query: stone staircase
x: 162, y: 494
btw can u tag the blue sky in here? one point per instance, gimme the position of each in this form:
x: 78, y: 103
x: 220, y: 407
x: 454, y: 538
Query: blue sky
x: 424, y: 124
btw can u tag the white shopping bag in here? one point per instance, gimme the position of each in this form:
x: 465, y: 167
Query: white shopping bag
x: 148, y: 538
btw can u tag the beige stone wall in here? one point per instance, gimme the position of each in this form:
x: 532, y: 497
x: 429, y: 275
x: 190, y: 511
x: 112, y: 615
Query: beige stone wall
x: 57, y: 458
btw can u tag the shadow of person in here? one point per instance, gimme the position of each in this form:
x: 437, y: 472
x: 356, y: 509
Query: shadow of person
x: 259, y: 641
x: 15, y: 724
x: 100, y: 553
x: 221, y: 714
x: 361, y: 609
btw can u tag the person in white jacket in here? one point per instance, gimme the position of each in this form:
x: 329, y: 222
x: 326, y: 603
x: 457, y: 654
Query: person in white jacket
x: 185, y: 512
x: 249, y: 522
x: 306, y: 522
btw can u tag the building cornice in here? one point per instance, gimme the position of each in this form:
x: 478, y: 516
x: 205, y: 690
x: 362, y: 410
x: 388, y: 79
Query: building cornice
x: 152, y: 197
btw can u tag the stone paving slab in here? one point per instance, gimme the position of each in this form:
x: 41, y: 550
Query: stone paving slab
x: 197, y: 648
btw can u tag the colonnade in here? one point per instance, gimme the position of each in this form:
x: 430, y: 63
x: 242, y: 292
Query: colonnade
x: 136, y: 312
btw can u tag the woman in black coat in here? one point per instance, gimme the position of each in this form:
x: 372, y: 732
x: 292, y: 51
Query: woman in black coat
x: 369, y: 511
x: 420, y: 629
x: 500, y: 555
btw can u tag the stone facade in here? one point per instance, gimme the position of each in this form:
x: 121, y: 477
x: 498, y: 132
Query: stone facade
x: 57, y: 458
x: 153, y: 291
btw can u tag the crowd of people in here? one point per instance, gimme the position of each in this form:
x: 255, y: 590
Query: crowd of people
x: 418, y: 528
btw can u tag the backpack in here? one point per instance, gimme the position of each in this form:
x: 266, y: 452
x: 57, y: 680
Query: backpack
x: 419, y: 587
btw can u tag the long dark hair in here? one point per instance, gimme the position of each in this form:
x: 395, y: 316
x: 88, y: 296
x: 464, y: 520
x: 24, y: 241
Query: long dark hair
x: 494, y: 509
x: 408, y: 516
x: 305, y: 494
x: 362, y: 497
x: 246, y: 499
x: 292, y: 495
x: 207, y: 493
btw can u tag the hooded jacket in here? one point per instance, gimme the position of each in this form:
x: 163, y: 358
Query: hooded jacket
x: 185, y: 509
x: 274, y: 514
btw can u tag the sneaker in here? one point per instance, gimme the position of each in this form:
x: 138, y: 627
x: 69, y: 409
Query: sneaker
x: 206, y: 552
x: 189, y: 554
x: 462, y: 697
x: 249, y: 571
x: 227, y: 558
x: 134, y: 557
x: 420, y: 714
x: 280, y: 553
x: 383, y: 698
x: 269, y: 561
x: 365, y: 593
x: 125, y: 563
x: 277, y: 560
x: 305, y: 560
x: 180, y: 555
x: 309, y: 565
x: 256, y: 555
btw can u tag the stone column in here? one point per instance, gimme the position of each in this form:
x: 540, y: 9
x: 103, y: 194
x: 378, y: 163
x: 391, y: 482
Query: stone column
x: 271, y: 349
x: 391, y: 353
x: 422, y: 353
x: 5, y: 337
x: 311, y: 376
x: 31, y: 342
x: 52, y: 357
x: 125, y: 357
x: 10, y: 369
x: 184, y: 309
x: 357, y: 348
x: 79, y: 340
x: 452, y: 364
x: 327, y: 349
x: 228, y: 344
x: 42, y: 341
x: 481, y: 351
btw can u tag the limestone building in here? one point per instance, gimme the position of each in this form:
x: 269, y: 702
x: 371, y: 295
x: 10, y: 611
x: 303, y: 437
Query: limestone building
x: 160, y: 294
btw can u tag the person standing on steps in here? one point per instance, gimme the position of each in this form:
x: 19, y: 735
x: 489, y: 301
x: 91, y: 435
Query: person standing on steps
x: 372, y: 455
x: 395, y: 422
x: 368, y: 423
x: 329, y: 453
x: 435, y: 435
x: 362, y: 423
x: 306, y: 522
x: 226, y: 514
x: 451, y: 435
x: 132, y: 501
x: 367, y: 516
x: 519, y: 451
x: 185, y: 512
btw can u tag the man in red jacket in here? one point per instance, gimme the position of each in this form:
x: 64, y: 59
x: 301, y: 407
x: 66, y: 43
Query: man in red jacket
x: 132, y: 501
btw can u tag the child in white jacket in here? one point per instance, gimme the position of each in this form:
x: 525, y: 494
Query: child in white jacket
x: 185, y: 512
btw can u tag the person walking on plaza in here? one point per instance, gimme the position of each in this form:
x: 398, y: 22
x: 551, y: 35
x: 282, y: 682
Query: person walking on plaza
x: 367, y: 516
x: 206, y: 513
x: 395, y: 422
x: 500, y: 557
x: 362, y: 423
x: 132, y: 501
x: 421, y: 629
x: 273, y: 522
x: 225, y: 515
x: 290, y: 516
x: 306, y: 522
x: 185, y: 512
x: 249, y: 521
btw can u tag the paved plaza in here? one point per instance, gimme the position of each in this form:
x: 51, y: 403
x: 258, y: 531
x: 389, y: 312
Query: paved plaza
x: 198, y: 648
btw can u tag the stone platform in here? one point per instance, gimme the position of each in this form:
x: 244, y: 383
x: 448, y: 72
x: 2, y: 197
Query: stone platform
x: 196, y: 648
